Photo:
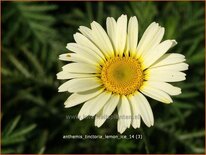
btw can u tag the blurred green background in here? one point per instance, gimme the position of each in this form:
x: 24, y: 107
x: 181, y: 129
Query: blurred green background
x: 33, y: 116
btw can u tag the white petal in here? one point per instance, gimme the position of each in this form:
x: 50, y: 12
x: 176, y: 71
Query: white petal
x: 101, y: 39
x: 63, y: 75
x: 156, y: 94
x: 146, y: 42
x: 155, y: 53
x: 84, y: 41
x: 96, y: 40
x: 93, y: 106
x: 168, y: 59
x: 81, y: 68
x: 65, y: 57
x: 112, y: 31
x: 155, y: 40
x: 86, y: 31
x: 121, y: 127
x: 165, y: 76
x: 85, y: 52
x: 133, y: 35
x: 121, y: 34
x: 80, y: 97
x: 136, y: 121
x: 144, y: 108
x: 126, y: 50
x: 107, y: 110
x: 76, y: 58
x: 174, y: 67
x: 124, y: 112
x: 166, y: 87
x: 80, y: 84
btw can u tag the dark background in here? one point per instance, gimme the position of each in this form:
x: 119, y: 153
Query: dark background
x: 33, y: 116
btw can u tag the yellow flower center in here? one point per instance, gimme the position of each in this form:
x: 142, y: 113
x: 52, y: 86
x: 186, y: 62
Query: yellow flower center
x: 122, y: 75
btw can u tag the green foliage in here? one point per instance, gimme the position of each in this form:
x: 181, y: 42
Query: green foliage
x: 34, y: 118
x: 12, y: 136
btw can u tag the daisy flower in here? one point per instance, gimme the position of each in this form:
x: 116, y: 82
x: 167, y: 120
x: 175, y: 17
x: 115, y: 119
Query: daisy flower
x: 112, y: 69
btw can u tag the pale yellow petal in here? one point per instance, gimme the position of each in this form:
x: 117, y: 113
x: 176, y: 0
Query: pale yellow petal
x: 80, y: 97
x: 90, y: 108
x: 107, y: 110
x: 80, y: 84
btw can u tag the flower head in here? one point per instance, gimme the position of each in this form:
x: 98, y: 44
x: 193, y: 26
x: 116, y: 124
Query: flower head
x: 110, y: 70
